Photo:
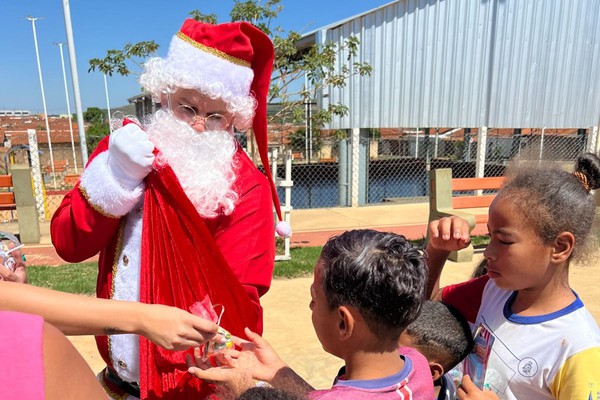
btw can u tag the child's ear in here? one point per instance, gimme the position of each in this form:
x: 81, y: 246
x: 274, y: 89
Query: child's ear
x: 436, y: 370
x: 345, y: 323
x: 563, y: 247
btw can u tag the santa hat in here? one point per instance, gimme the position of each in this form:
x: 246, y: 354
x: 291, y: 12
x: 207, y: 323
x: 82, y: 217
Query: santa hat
x: 232, y: 62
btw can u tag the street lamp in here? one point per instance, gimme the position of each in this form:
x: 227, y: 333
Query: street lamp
x: 107, y: 103
x: 62, y: 61
x: 37, y: 54
x: 75, y: 79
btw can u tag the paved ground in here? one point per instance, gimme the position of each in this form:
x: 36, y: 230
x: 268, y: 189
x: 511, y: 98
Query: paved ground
x: 287, y: 317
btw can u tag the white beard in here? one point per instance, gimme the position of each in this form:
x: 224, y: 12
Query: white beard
x: 202, y: 161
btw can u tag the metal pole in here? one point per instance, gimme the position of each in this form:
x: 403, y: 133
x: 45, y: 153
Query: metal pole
x: 417, y: 144
x: 542, y: 145
x: 107, y: 103
x: 37, y: 55
x: 62, y: 61
x: 75, y: 79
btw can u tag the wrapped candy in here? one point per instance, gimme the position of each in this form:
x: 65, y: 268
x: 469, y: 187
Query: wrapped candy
x: 206, y: 310
x: 6, y: 257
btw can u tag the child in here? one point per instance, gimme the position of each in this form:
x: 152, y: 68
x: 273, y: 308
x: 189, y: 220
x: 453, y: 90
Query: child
x: 443, y: 336
x: 534, y: 337
x: 368, y: 286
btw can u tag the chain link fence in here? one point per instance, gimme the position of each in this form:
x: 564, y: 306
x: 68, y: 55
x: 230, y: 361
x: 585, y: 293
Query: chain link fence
x: 388, y: 165
x: 391, y: 165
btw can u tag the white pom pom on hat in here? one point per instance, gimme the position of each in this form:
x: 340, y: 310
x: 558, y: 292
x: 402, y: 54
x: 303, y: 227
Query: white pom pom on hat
x: 283, y: 229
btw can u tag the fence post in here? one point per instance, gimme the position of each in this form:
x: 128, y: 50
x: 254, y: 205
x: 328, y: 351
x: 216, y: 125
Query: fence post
x: 286, y: 205
x: 355, y: 143
x: 29, y: 227
x: 592, y: 146
x: 481, y: 154
x: 36, y: 173
x: 363, y: 167
x: 343, y: 168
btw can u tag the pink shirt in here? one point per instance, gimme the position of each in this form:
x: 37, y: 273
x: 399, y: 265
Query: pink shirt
x: 412, y: 382
x: 21, y: 356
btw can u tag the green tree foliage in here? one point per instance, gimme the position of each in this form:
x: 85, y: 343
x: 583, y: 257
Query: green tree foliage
x: 116, y: 60
x: 317, y: 63
x: 94, y: 134
x: 93, y: 115
x: 97, y: 129
x: 298, y: 140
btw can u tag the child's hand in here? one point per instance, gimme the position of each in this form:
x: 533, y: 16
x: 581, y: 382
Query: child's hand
x: 258, y: 355
x: 256, y: 359
x: 468, y: 391
x: 449, y: 234
x: 234, y: 379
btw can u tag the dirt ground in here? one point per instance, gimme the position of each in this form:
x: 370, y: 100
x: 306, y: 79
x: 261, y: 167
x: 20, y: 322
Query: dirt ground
x: 289, y: 329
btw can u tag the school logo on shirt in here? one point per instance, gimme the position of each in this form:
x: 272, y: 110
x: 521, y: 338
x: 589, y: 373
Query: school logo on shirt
x: 528, y: 367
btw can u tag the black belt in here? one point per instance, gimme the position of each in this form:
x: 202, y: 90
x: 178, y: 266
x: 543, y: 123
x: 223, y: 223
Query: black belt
x: 131, y: 388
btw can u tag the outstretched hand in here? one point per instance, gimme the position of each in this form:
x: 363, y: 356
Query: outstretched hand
x: 256, y: 359
x: 468, y: 391
x: 449, y: 234
x: 176, y: 329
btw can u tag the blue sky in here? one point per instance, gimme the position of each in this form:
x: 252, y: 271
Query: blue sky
x: 109, y: 24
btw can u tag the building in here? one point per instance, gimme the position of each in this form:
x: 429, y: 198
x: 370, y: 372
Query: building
x: 14, y: 113
x: 15, y: 143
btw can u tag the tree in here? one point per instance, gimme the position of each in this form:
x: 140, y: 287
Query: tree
x: 317, y: 63
x: 97, y: 128
x: 298, y: 140
x: 94, y: 134
x: 116, y: 60
x: 93, y: 115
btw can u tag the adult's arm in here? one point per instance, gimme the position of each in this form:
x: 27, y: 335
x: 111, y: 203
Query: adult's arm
x: 168, y: 327
x: 445, y: 235
x: 66, y: 374
x: 88, y: 217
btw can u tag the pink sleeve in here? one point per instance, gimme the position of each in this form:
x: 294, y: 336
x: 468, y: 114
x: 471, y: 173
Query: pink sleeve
x: 21, y: 356
x: 466, y: 296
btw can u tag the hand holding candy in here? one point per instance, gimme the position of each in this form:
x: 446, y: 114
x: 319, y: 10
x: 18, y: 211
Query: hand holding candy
x: 12, y: 268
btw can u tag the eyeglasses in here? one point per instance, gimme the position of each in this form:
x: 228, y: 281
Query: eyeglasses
x: 212, y: 122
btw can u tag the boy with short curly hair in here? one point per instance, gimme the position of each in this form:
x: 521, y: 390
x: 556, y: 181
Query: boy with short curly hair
x: 368, y: 286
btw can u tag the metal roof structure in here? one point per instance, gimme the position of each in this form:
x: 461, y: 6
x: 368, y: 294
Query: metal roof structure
x: 471, y: 63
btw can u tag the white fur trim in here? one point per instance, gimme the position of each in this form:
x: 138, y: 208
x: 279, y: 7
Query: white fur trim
x: 105, y: 192
x: 189, y: 67
x: 125, y: 351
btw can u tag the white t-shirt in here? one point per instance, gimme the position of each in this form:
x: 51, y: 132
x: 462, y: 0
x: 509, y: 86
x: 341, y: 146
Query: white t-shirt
x: 553, y: 356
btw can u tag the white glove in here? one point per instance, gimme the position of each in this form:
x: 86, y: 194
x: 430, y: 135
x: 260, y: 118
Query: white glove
x: 130, y: 155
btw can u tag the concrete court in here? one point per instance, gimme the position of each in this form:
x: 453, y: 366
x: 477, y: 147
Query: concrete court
x: 287, y: 317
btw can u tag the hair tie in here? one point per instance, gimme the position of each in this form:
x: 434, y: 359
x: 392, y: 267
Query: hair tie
x: 583, y: 179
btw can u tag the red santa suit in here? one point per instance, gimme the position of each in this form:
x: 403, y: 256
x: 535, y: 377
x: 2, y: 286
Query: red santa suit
x: 99, y: 216
x: 154, y: 246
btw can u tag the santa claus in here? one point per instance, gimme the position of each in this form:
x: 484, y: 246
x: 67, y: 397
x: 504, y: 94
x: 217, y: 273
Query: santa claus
x: 175, y: 208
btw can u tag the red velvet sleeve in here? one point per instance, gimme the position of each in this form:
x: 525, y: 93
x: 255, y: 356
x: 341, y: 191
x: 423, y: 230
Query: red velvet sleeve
x: 466, y: 296
x: 78, y: 231
x: 247, y: 236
